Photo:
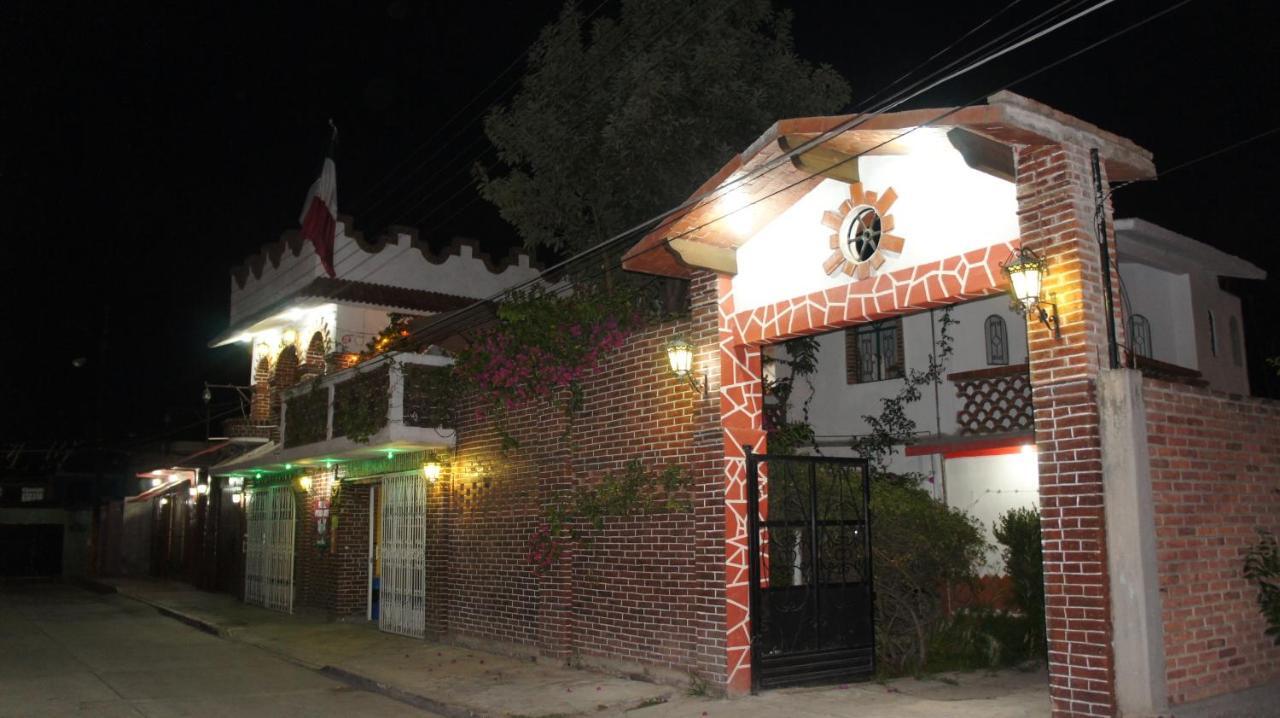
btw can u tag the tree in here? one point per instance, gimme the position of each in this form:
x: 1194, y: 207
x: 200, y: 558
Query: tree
x: 619, y: 120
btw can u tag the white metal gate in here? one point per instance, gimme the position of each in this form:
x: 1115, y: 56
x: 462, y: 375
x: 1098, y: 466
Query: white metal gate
x: 402, y: 598
x: 268, y: 560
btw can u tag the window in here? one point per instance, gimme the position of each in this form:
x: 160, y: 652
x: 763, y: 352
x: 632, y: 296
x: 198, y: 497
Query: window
x: 1213, y: 334
x: 1140, y: 336
x: 997, y: 334
x: 1233, y: 336
x: 873, y: 352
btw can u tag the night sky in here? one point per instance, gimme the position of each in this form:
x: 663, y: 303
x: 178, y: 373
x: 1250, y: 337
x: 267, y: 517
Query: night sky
x: 147, y: 149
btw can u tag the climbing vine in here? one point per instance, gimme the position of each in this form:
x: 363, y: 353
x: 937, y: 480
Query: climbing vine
x: 788, y: 433
x: 430, y: 394
x: 893, y: 426
x: 360, y: 405
x: 544, y: 345
x: 307, y: 417
x: 1262, y: 567
x: 634, y: 491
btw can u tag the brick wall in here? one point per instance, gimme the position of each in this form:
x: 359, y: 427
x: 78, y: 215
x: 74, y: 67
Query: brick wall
x: 1215, y: 473
x: 337, y: 578
x: 645, y: 590
x: 1055, y: 212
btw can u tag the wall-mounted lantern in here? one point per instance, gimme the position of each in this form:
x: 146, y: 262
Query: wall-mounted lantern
x: 304, y: 483
x: 202, y: 489
x: 191, y: 491
x: 1026, y: 272
x: 431, y: 471
x: 235, y: 498
x: 680, y: 359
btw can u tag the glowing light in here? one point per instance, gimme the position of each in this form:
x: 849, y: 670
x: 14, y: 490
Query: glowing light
x: 288, y: 467
x: 1028, y: 449
x: 680, y: 357
x: 191, y: 491
x: 1026, y: 273
x: 289, y: 336
x: 156, y: 482
x: 163, y: 500
x: 738, y: 212
x: 235, y: 499
x: 431, y: 471
x: 202, y: 489
x: 304, y: 483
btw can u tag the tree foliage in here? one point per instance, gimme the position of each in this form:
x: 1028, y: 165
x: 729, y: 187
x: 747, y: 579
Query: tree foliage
x: 1018, y: 531
x: 919, y: 548
x: 622, y: 117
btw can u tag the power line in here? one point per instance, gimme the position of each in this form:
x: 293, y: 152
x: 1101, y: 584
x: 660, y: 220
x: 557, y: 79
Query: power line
x: 455, y: 317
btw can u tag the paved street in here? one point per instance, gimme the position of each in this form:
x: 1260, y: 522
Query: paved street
x: 66, y: 651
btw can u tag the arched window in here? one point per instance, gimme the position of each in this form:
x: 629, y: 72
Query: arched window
x: 1233, y: 335
x: 997, y: 334
x: 1140, y: 335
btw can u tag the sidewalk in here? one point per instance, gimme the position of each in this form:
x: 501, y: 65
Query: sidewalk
x: 461, y: 682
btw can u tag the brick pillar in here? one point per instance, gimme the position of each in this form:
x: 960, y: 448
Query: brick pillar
x: 708, y: 474
x: 1055, y: 213
x: 260, y: 406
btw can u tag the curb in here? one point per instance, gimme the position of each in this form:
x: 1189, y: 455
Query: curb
x: 449, y: 710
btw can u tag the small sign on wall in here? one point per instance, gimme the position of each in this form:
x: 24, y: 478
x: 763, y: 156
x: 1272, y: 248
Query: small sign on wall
x: 321, y: 513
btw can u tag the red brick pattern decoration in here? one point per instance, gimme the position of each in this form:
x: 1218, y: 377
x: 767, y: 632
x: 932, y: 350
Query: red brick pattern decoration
x: 933, y: 284
x: 1055, y: 214
x: 1215, y: 480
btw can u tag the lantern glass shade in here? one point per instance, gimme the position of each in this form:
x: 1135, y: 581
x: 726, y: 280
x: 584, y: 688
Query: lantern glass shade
x: 235, y: 498
x: 680, y: 356
x: 202, y: 489
x: 304, y: 483
x: 431, y: 471
x: 1026, y: 273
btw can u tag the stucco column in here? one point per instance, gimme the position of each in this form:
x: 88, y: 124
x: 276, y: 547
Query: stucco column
x: 1138, y: 637
x: 1055, y: 213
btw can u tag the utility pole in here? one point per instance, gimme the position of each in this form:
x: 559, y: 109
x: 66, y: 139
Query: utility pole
x: 1100, y: 226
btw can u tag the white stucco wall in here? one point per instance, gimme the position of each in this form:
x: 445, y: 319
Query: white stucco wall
x: 1222, y: 371
x: 1164, y: 298
x: 944, y: 208
x: 987, y: 486
x: 398, y: 264
x: 838, y: 407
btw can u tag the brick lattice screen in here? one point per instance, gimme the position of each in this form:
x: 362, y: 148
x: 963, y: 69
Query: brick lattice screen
x: 996, y: 400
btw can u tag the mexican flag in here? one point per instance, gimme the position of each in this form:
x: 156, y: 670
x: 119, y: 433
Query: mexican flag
x: 320, y: 212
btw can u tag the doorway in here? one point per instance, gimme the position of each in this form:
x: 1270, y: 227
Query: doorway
x: 398, y: 577
x: 268, y: 571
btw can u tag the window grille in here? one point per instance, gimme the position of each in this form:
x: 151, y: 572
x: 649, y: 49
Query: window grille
x: 1140, y: 336
x: 873, y: 352
x: 997, y: 335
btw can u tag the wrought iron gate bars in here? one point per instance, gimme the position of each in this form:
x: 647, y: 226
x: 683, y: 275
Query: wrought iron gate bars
x: 268, y: 575
x: 403, y: 555
x: 754, y: 557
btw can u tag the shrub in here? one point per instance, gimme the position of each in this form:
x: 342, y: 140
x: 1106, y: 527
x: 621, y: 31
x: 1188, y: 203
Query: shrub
x: 1262, y: 566
x: 919, y: 547
x: 1018, y: 531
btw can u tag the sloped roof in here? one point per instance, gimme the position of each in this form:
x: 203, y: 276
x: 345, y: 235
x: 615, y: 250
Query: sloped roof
x: 1008, y: 119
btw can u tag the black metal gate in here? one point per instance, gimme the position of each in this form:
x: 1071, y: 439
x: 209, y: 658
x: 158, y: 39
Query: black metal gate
x: 812, y: 603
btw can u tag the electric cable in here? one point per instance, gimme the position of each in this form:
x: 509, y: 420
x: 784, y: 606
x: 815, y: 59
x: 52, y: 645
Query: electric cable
x: 442, y: 321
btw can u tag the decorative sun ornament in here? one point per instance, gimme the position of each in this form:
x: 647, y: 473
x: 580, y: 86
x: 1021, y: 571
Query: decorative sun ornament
x: 861, y: 239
